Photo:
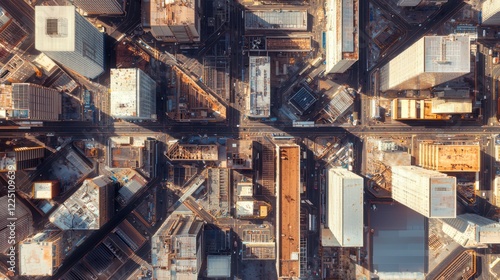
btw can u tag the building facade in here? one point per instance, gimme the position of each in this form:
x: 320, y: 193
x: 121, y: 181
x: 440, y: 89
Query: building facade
x: 69, y: 39
x: 428, y: 192
x: 490, y: 12
x: 342, y: 37
x: 345, y: 207
x: 101, y: 7
x: 24, y: 223
x: 133, y: 94
x: 172, y: 20
x: 431, y: 61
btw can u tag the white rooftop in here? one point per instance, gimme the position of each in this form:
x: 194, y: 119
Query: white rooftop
x: 124, y: 93
x: 245, y: 189
x: 244, y: 208
x: 260, y: 86
x: 42, y: 190
x: 35, y: 259
x: 447, y: 54
x: 55, y: 28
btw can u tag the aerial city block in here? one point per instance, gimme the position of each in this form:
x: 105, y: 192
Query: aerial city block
x: 249, y: 140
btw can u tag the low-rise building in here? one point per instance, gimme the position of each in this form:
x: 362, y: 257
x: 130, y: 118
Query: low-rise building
x: 472, y: 230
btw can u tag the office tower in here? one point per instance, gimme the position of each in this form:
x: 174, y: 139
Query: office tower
x: 342, y: 35
x: 490, y: 12
x: 345, y: 207
x: 41, y: 254
x: 472, y: 230
x: 100, y: 7
x: 177, y: 248
x: 69, y: 39
x: 259, y: 101
x: 428, y: 192
x: 133, y: 94
x: 429, y: 62
x: 172, y: 20
x: 90, y: 207
x: 24, y: 223
x: 45, y: 189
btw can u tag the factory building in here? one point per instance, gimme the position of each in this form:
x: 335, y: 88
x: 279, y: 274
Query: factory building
x: 428, y: 192
x: 431, y: 61
x: 449, y: 156
x: 133, y: 95
x: 177, y: 248
x: 172, y: 20
x: 472, y: 230
x: 101, y: 7
x: 288, y: 211
x: 490, y: 12
x: 259, y: 100
x: 69, y: 39
x: 344, y: 214
x: 342, y: 35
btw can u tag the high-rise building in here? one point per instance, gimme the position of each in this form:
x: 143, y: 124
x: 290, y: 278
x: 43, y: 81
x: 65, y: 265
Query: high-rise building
x: 177, y: 248
x: 89, y: 208
x: 11, y: 33
x: 429, y: 62
x: 23, y: 224
x: 259, y: 100
x: 472, y: 230
x: 133, y: 94
x: 408, y: 3
x: 69, y: 39
x: 33, y: 102
x: 172, y: 20
x: 28, y: 157
x: 490, y: 12
x: 345, y: 207
x: 101, y: 7
x: 41, y: 254
x: 428, y: 192
x: 342, y: 35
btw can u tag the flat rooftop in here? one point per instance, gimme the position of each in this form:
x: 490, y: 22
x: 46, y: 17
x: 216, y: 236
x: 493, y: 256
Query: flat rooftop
x: 398, y: 240
x: 276, y: 19
x: 260, y: 87
x: 450, y: 156
x: 123, y: 96
x: 35, y: 259
x: 447, y: 54
x: 172, y: 12
x: 55, y: 28
x: 302, y: 100
x: 289, y: 211
x: 239, y: 154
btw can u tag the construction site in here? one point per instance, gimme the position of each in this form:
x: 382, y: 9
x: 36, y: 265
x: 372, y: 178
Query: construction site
x: 288, y: 212
x: 192, y: 152
x: 189, y: 101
